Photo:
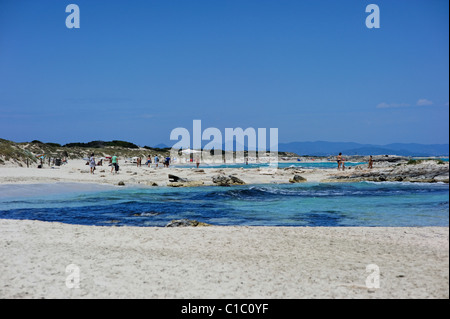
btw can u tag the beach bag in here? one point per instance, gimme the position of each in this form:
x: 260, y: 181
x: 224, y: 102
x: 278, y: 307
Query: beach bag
x: 117, y: 167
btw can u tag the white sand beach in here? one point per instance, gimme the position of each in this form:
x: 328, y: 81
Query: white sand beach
x: 77, y: 171
x: 212, y: 262
x: 295, y: 150
x: 221, y: 262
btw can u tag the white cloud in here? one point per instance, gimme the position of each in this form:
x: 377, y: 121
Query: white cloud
x: 385, y: 105
x: 420, y: 102
x: 424, y: 102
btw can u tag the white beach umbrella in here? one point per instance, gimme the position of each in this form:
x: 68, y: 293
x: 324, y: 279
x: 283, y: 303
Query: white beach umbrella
x: 189, y: 151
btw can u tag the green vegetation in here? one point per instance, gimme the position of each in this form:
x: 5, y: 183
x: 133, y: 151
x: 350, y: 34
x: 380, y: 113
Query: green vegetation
x: 11, y: 151
x: 157, y: 149
x: 20, y: 153
x: 53, y: 144
x: 101, y: 144
x: 414, y: 162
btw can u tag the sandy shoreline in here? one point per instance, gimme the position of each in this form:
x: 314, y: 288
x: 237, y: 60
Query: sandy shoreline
x: 221, y: 262
x: 212, y: 262
x: 77, y: 171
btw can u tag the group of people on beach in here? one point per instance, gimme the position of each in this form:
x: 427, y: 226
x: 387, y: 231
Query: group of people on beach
x: 341, y: 162
x: 114, y: 163
x: 166, y: 161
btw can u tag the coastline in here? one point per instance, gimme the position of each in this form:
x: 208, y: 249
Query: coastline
x: 77, y: 171
x: 129, y: 174
x: 215, y: 261
x: 221, y: 262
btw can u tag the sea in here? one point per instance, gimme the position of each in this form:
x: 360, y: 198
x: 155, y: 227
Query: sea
x: 370, y: 204
x: 281, y: 165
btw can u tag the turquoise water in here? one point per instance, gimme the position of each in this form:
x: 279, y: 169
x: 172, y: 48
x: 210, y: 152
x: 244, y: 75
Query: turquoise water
x: 311, y: 165
x: 308, y: 204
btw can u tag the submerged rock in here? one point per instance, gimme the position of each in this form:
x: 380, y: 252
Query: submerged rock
x: 186, y: 223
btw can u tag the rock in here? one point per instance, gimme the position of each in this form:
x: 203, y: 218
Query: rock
x: 390, y: 158
x: 186, y: 223
x: 222, y: 180
x: 186, y: 184
x: 174, y: 178
x: 121, y: 183
x: 442, y: 179
x: 176, y: 181
x: 297, y: 179
x: 418, y: 172
x: 236, y: 180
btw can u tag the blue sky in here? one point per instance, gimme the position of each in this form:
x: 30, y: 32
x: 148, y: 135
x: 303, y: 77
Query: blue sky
x: 135, y: 70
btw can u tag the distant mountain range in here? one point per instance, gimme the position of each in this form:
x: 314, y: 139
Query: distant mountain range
x: 321, y: 148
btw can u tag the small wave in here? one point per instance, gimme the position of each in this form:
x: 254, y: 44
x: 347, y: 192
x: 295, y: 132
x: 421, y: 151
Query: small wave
x: 147, y: 214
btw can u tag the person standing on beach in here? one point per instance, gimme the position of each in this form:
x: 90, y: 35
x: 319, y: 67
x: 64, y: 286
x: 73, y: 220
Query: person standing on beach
x: 114, y: 163
x: 339, y: 161
x: 167, y: 162
x: 197, y: 161
x: 156, y: 161
x: 149, y: 160
x: 370, y: 162
x: 92, y: 163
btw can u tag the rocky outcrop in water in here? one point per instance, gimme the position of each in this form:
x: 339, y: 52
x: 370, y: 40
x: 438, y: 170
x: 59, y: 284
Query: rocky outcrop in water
x: 176, y: 181
x: 297, y: 179
x: 186, y: 184
x: 222, y: 180
x: 413, y: 171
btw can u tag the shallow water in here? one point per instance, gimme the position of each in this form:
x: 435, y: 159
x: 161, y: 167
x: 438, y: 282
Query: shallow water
x: 308, y: 204
x: 321, y: 165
